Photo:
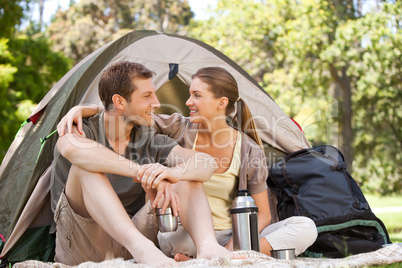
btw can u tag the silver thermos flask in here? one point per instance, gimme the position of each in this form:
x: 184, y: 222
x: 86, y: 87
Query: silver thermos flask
x: 245, y: 222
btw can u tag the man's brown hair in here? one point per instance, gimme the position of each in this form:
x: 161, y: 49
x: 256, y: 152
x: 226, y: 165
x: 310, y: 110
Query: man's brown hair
x: 118, y: 79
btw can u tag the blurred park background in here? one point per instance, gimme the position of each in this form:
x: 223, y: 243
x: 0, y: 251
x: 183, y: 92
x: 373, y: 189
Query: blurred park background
x: 335, y: 66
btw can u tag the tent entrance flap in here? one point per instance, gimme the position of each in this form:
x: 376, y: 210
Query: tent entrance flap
x: 173, y: 96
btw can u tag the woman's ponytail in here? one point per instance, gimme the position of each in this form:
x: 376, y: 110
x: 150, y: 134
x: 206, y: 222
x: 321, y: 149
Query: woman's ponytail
x: 246, y: 122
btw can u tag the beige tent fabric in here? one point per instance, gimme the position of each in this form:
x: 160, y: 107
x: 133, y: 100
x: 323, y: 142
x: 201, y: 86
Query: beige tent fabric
x: 384, y: 256
x: 157, y: 51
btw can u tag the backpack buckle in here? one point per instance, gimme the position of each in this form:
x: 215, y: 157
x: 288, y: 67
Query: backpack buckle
x: 338, y: 167
x: 358, y: 205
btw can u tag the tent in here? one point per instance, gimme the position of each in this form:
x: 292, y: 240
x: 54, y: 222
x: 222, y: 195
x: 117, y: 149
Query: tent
x: 25, y: 175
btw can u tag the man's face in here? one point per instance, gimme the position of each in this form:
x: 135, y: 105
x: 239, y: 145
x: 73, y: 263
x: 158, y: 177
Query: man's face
x: 142, y: 104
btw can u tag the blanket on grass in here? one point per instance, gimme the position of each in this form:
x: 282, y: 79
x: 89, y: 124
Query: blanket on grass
x: 384, y: 256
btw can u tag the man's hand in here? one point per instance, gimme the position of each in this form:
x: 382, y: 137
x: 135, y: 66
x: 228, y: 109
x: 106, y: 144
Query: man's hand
x: 164, y: 190
x: 150, y: 175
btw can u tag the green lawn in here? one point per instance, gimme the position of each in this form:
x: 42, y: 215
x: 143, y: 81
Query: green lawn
x: 386, y: 201
x: 391, y: 220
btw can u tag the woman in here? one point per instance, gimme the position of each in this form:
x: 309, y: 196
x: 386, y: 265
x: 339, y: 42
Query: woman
x: 241, y: 164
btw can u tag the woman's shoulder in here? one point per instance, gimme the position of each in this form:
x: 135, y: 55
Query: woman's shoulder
x: 249, y: 144
x: 164, y: 120
x: 177, y: 127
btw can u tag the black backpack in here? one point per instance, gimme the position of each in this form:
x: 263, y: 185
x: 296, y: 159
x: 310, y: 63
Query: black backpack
x: 314, y: 183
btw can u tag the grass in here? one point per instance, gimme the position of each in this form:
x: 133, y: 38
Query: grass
x: 385, y: 201
x: 391, y: 220
x: 393, y: 265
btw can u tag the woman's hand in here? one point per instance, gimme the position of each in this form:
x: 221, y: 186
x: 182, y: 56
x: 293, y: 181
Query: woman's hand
x: 150, y: 175
x: 75, y: 115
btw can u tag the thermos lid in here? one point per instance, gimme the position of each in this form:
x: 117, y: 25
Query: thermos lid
x: 243, y: 199
x: 243, y: 192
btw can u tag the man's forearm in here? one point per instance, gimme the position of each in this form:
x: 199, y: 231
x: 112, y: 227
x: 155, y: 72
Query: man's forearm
x: 94, y: 157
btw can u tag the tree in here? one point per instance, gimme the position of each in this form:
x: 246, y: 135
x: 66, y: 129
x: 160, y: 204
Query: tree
x: 375, y: 66
x: 90, y: 24
x: 38, y: 66
x: 41, y: 7
x: 7, y: 72
x: 28, y: 69
x: 11, y: 13
x: 317, y: 60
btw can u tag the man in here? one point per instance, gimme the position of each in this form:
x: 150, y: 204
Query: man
x: 111, y: 158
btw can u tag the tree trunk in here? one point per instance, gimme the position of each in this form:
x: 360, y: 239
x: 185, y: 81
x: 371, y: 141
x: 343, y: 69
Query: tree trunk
x: 41, y: 7
x: 162, y: 16
x: 343, y: 83
x: 346, y: 125
x: 359, y: 8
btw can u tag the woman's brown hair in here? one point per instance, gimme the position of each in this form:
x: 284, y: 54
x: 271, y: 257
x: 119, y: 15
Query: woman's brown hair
x: 223, y: 84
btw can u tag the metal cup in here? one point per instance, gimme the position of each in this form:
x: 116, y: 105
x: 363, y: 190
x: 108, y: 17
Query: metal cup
x: 167, y: 222
x: 284, y: 254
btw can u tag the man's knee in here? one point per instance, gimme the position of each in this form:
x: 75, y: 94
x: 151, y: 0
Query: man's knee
x: 79, y: 183
x: 311, y: 229
x: 74, y: 176
x: 77, y: 177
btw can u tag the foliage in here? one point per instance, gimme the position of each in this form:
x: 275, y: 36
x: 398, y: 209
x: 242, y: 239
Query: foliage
x: 39, y: 66
x: 267, y: 42
x: 11, y: 13
x: 377, y: 69
x: 331, y: 69
x: 7, y: 72
x: 28, y: 69
x: 92, y: 24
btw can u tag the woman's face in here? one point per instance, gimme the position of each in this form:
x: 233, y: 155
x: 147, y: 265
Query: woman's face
x: 202, y: 103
